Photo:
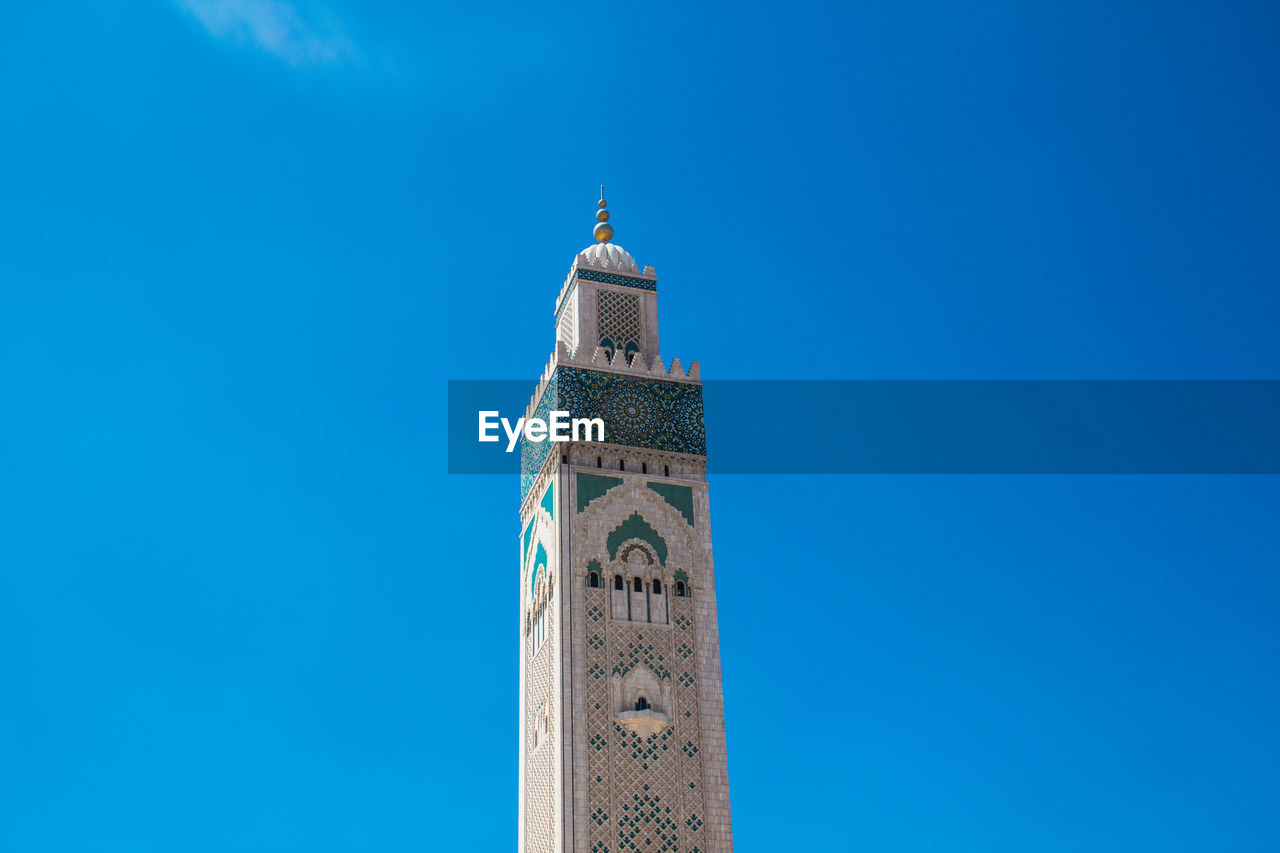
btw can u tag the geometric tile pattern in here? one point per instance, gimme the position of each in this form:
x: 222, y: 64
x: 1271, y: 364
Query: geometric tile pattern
x: 687, y: 703
x: 636, y: 652
x: 599, y: 714
x: 534, y: 453
x: 655, y: 414
x: 623, y: 280
x: 637, y: 412
x: 643, y: 791
x: 618, y: 320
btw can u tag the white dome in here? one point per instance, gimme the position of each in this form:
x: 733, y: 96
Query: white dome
x: 610, y: 257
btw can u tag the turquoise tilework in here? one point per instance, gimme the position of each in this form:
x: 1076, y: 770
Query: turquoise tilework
x: 539, y: 565
x: 534, y: 453
x: 612, y: 278
x: 650, y: 413
x: 680, y: 497
x: 637, y: 411
x: 635, y: 527
x: 592, y: 486
x: 548, y: 503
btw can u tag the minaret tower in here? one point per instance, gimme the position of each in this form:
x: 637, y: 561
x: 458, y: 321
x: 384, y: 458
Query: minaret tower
x: 622, y: 744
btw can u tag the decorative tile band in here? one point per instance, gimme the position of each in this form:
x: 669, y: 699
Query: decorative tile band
x: 654, y: 414
x: 534, y: 453
x: 605, y: 278
x: 613, y: 278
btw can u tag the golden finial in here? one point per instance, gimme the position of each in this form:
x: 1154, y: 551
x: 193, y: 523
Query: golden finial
x: 603, y: 230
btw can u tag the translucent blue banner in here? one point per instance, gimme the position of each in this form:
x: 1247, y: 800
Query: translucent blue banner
x: 940, y: 427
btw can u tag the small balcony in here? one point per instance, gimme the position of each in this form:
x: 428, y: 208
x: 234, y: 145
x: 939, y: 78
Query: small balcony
x: 644, y: 722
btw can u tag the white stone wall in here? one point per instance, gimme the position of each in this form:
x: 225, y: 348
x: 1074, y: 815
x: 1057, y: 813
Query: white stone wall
x: 541, y: 736
x: 674, y: 663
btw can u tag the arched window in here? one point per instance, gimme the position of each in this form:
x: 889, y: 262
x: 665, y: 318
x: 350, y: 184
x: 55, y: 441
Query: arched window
x: 642, y: 704
x: 639, y: 585
x: 593, y: 580
x: 622, y: 464
x: 666, y: 470
x: 657, y: 587
x: 617, y: 582
x: 644, y: 467
x: 680, y: 590
x: 599, y: 462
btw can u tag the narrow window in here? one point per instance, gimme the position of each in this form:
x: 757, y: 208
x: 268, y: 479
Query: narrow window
x: 593, y: 580
x: 657, y: 587
x: 642, y: 704
x: 617, y: 582
x: 644, y: 467
x: 599, y: 462
x: 666, y: 470
x: 680, y: 588
x: 639, y: 585
x: 622, y: 464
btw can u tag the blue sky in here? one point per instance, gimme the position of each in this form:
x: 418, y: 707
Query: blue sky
x: 244, y: 244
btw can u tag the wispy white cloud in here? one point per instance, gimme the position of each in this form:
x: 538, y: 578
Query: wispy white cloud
x: 275, y: 26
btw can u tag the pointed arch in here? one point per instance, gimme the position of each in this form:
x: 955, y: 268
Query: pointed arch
x: 635, y: 527
x: 539, y: 564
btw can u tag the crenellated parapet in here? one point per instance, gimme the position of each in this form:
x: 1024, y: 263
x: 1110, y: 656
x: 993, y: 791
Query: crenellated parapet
x: 600, y: 360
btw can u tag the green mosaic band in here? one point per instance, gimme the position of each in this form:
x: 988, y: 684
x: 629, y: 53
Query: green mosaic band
x: 614, y: 278
x: 651, y: 414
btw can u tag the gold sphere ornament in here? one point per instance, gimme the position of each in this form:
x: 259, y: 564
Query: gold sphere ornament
x: 603, y: 216
x: 603, y: 232
x: 601, y: 203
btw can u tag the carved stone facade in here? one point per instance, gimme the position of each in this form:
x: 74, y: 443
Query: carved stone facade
x: 622, y: 712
